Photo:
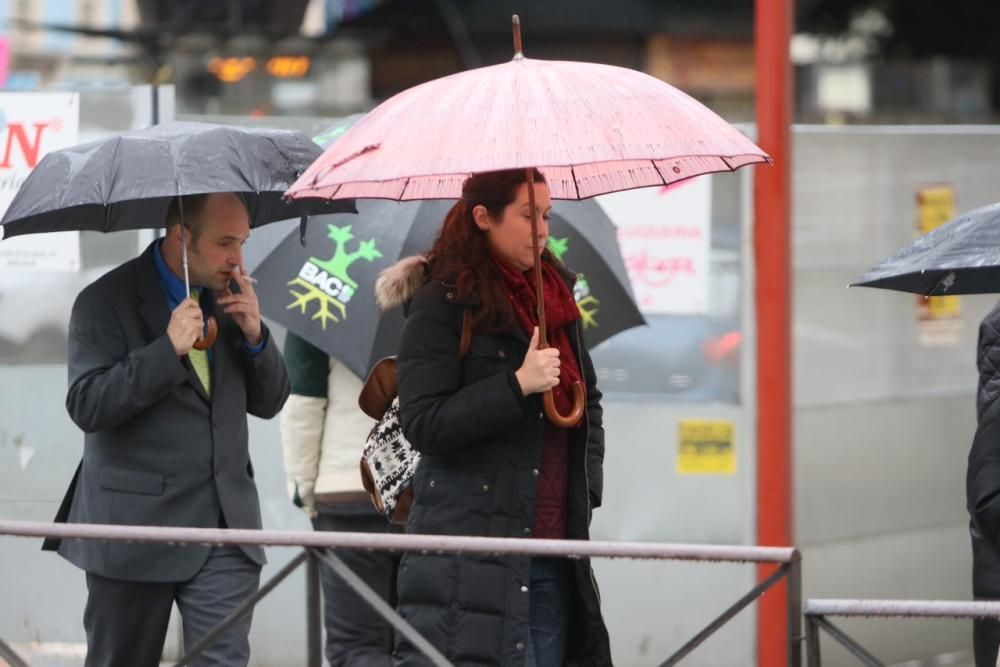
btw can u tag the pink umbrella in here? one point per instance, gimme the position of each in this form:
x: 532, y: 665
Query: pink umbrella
x: 590, y: 128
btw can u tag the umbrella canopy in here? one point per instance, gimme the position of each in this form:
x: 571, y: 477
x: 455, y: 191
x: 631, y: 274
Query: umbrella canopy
x: 590, y: 128
x: 127, y: 181
x: 323, y: 292
x: 959, y: 257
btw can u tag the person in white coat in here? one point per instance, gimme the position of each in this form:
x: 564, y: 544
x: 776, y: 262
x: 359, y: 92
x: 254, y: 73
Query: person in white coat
x: 323, y: 433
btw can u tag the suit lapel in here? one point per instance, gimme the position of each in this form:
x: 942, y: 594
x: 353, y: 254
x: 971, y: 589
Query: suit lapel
x: 152, y: 303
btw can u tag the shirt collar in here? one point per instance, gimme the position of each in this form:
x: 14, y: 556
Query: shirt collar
x: 172, y: 286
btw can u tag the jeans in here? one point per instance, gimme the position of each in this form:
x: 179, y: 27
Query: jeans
x: 549, y: 609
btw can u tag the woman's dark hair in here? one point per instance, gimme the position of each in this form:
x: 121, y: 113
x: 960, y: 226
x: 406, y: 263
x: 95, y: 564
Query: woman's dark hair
x: 461, y: 254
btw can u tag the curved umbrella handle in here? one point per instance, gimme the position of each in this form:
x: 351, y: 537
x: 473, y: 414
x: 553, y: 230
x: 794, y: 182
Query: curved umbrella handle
x: 206, y: 341
x: 573, y: 418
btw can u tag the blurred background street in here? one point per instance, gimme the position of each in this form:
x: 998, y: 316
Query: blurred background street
x: 894, y: 131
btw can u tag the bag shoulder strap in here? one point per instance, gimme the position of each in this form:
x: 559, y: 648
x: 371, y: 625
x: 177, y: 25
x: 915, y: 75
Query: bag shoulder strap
x: 380, y: 387
x: 465, y: 342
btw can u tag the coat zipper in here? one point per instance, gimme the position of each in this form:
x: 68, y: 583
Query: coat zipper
x: 586, y: 466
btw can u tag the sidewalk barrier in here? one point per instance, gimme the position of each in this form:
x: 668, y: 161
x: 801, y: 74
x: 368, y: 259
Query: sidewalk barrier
x: 817, y: 611
x: 320, y: 547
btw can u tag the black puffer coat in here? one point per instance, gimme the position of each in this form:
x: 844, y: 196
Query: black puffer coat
x: 983, y: 488
x: 481, y: 444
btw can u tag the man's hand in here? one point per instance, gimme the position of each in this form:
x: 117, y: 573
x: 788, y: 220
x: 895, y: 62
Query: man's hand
x: 186, y: 326
x: 243, y: 307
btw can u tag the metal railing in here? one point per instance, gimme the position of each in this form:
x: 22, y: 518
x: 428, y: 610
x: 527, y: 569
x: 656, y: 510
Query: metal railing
x: 816, y: 612
x: 320, y: 547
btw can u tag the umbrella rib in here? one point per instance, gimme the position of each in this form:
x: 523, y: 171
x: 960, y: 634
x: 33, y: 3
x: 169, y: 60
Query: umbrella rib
x: 576, y: 186
x: 114, y: 177
x: 663, y: 181
x: 288, y: 164
x: 947, y: 272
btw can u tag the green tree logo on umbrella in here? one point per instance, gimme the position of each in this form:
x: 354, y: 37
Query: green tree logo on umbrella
x: 326, y: 282
x: 588, y: 304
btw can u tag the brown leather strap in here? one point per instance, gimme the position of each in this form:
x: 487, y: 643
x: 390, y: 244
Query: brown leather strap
x: 466, y: 340
x: 342, y: 497
x: 379, y: 388
x: 381, y: 385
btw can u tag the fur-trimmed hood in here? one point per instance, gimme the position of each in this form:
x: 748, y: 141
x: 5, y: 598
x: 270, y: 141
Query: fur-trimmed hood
x: 397, y: 284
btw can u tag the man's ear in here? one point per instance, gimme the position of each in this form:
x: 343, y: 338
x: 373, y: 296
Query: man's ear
x: 481, y: 217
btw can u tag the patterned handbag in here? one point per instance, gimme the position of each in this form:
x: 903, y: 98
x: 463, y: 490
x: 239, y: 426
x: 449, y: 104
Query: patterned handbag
x: 388, y: 460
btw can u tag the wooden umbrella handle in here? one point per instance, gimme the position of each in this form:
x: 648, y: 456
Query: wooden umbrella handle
x: 573, y: 418
x: 206, y: 341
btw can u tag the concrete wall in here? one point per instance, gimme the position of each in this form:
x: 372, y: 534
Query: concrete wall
x: 883, y: 422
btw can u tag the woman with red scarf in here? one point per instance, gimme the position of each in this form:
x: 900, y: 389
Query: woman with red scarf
x: 492, y: 464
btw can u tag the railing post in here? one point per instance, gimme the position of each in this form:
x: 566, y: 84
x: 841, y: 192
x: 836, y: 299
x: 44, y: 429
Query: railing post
x: 813, y: 658
x: 314, y: 628
x: 10, y: 655
x: 794, y: 591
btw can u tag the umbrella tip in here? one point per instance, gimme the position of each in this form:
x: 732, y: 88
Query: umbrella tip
x: 515, y: 24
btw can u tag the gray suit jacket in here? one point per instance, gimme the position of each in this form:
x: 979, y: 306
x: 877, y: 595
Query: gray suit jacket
x: 157, y: 451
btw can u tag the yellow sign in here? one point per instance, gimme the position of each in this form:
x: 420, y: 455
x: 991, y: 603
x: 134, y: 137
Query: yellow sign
x: 939, y: 317
x: 231, y: 70
x: 935, y: 206
x: 288, y: 67
x: 705, y: 447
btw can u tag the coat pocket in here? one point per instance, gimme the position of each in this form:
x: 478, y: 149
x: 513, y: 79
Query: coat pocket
x: 131, y: 481
x: 486, y: 357
x: 455, y: 502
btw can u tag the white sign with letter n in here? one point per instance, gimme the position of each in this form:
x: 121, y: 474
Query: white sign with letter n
x: 31, y: 125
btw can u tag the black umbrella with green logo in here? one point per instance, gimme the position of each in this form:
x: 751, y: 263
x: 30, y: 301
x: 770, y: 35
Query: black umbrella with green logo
x: 318, y: 279
x: 323, y: 290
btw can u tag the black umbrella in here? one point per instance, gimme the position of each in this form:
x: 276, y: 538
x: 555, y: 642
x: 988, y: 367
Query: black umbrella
x: 127, y: 181
x: 324, y: 291
x: 961, y: 256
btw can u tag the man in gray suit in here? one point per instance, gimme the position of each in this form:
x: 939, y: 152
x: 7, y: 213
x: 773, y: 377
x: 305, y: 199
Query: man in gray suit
x: 166, y: 436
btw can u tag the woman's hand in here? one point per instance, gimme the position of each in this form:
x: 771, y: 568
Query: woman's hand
x: 540, y: 370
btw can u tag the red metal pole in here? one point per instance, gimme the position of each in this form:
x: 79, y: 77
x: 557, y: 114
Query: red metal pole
x: 772, y: 205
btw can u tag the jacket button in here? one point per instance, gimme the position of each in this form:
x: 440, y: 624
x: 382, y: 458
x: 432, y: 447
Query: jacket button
x: 527, y: 531
x: 486, y: 487
x: 519, y: 646
x: 502, y: 354
x: 541, y: 415
x: 524, y: 589
x: 433, y: 483
x: 534, y: 472
x: 449, y: 295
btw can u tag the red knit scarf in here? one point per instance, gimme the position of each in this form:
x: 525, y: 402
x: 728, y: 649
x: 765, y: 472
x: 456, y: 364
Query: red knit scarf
x: 560, y: 311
